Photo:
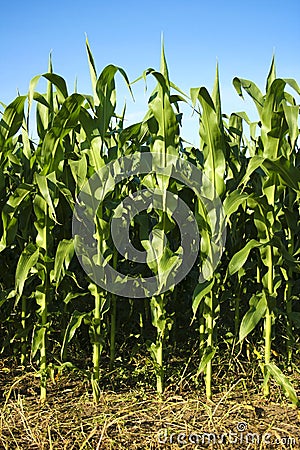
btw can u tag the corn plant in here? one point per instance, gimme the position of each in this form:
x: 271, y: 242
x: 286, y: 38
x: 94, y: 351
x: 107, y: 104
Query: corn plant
x: 272, y: 173
x: 213, y: 166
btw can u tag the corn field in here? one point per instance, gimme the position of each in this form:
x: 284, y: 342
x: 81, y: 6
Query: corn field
x: 246, y: 300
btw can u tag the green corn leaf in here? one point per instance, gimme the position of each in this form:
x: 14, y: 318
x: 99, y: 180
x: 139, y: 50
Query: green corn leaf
x: 44, y: 190
x: 43, y: 223
x: 289, y: 258
x: 272, y: 74
x: 258, y: 306
x: 41, y: 116
x: 71, y: 295
x: 62, y: 189
x: 154, y: 350
x: 50, y: 92
x: 291, y: 116
x: 103, y: 300
x: 106, y: 92
x: 251, y: 89
x: 60, y: 85
x: 63, y: 257
x: 216, y: 97
x: 50, y: 144
x: 194, y: 92
x: 51, y: 155
x: 27, y: 151
x: 176, y: 88
x: 27, y: 260
x: 236, y: 128
x: 284, y: 382
x: 243, y: 116
x: 213, y: 142
x: 9, y: 212
x: 289, y: 174
x: 93, y: 72
x: 12, y: 118
x: 201, y: 290
x: 5, y: 296
x: 107, y: 98
x: 75, y: 321
x: 271, y: 133
x: 79, y: 171
x: 168, y: 266
x: 130, y: 132
x: 239, y: 259
x: 293, y: 84
x: 17, y: 197
x: 67, y: 117
x: 163, y: 65
x: 165, y: 132
x: 10, y: 228
x: 158, y: 313
x: 7, y: 236
x: 254, y: 163
x: 207, y: 356
x: 233, y: 201
x: 31, y: 90
x: 38, y: 340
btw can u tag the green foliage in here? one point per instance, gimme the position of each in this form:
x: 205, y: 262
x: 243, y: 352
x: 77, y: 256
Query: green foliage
x: 49, y: 303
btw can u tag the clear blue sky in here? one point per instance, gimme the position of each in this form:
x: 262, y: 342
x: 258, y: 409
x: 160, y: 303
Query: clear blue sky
x: 240, y: 35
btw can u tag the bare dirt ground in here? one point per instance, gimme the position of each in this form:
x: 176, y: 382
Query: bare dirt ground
x: 135, y: 418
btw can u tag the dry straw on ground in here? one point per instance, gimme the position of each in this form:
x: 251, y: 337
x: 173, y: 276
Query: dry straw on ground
x: 137, y: 419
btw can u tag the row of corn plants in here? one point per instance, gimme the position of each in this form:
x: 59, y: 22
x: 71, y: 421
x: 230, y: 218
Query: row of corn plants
x: 254, y: 167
